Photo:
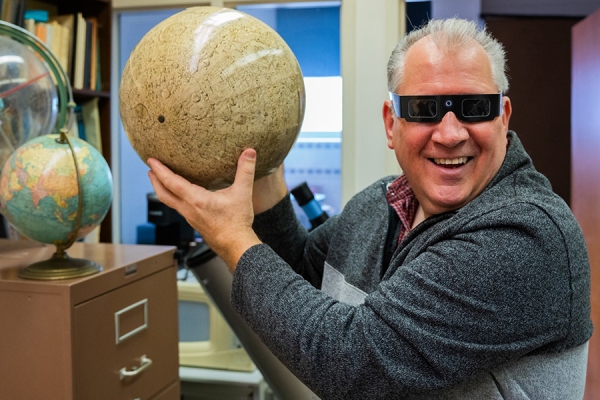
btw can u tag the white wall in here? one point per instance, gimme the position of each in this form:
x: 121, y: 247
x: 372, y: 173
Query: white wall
x: 365, y: 48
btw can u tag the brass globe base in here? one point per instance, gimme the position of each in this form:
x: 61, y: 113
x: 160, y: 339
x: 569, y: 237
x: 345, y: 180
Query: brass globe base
x: 60, y: 266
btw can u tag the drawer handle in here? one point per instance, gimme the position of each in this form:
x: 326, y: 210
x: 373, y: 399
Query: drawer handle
x: 145, y: 362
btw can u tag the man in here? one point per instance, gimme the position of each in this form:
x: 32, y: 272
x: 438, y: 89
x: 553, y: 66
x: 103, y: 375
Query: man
x: 464, y: 278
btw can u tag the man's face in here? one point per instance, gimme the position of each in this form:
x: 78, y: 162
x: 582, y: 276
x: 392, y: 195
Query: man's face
x: 448, y: 163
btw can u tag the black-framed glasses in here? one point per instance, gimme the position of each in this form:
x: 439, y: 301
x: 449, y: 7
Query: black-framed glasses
x: 466, y: 107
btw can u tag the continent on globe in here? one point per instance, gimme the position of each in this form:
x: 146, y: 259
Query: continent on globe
x: 207, y: 83
x: 39, y: 193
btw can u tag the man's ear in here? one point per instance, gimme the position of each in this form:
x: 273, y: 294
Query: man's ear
x: 506, y: 112
x: 388, y: 121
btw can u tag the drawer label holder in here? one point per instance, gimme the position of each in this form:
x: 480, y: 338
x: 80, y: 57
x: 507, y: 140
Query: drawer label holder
x: 121, y: 337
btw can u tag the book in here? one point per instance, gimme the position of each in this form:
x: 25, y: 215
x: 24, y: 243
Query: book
x: 6, y: 13
x: 79, y: 51
x: 19, y: 14
x: 37, y: 15
x: 98, y: 65
x: 49, y: 31
x: 30, y: 25
x: 67, y: 22
x: 48, y: 38
x: 93, y: 53
x: 40, y: 31
x: 79, y: 130
x: 91, y: 123
x: 59, y: 44
x: 73, y: 126
x: 86, y: 124
x: 87, y: 60
x: 13, y: 11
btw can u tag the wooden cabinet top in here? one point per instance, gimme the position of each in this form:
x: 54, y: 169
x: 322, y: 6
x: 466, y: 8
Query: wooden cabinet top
x: 121, y: 264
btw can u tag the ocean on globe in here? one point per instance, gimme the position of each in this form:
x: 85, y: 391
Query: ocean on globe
x: 39, y: 191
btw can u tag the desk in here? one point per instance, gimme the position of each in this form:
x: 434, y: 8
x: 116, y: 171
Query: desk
x: 215, y: 384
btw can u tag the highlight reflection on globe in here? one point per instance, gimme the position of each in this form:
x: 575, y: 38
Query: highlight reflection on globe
x: 207, y: 83
x: 28, y: 98
x: 39, y: 191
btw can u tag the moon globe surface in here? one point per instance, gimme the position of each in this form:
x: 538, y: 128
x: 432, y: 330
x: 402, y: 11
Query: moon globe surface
x: 207, y: 83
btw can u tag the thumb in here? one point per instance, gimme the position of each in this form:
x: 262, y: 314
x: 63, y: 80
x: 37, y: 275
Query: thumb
x: 244, y: 176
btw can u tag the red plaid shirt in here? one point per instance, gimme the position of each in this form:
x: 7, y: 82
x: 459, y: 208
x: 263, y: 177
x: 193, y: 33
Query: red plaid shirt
x: 402, y: 199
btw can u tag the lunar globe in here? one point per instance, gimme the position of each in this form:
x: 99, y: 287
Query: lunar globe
x: 207, y: 83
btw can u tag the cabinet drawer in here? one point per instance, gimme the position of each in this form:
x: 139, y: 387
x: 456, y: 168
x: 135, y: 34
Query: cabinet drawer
x: 131, y: 329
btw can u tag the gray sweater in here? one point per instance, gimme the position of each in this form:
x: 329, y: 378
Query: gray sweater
x: 469, y: 297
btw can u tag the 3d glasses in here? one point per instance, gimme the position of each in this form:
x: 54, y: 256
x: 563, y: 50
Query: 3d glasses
x: 466, y: 107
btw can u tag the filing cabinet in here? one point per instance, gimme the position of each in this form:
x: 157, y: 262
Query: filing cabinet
x: 112, y: 335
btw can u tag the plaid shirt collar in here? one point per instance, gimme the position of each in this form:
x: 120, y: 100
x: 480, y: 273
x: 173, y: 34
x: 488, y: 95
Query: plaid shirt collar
x: 402, y: 199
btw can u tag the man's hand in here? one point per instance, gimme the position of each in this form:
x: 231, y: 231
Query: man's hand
x: 269, y: 190
x: 223, y: 218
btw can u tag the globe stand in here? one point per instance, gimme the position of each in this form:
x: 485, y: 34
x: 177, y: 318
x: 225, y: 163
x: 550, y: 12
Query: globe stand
x: 60, y: 266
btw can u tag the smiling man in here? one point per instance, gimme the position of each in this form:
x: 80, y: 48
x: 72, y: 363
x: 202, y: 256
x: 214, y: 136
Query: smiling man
x: 464, y: 278
x: 447, y: 158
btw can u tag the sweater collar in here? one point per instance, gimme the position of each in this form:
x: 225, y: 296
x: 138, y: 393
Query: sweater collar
x: 516, y: 158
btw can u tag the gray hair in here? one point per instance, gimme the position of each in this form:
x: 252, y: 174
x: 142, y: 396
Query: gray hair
x: 450, y: 34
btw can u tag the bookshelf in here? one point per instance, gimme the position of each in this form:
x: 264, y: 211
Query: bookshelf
x: 100, y: 11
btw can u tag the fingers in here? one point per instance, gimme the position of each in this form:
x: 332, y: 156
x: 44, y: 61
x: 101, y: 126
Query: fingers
x: 170, y: 188
x: 174, y: 183
x: 268, y: 191
x: 244, y: 176
x: 167, y: 197
x: 163, y: 194
x: 176, y: 192
x: 218, y: 216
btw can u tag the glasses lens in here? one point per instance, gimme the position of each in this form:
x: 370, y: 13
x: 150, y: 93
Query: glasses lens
x: 476, y: 107
x: 426, y: 108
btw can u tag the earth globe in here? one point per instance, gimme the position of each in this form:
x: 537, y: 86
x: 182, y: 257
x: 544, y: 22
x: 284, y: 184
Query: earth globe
x: 54, y: 188
x: 207, y: 83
